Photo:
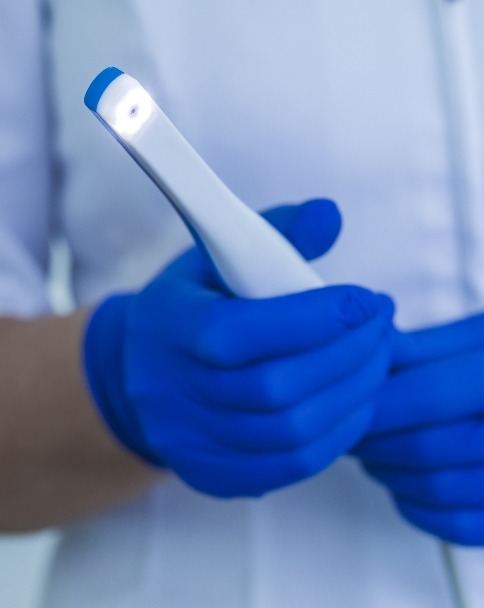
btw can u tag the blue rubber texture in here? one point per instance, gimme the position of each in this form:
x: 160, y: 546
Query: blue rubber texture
x: 99, y: 85
x: 240, y: 397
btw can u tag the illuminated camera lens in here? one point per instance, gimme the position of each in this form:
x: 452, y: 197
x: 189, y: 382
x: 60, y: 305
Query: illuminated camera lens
x: 133, y: 112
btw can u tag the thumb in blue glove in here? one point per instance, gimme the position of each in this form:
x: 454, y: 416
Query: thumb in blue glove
x: 239, y: 397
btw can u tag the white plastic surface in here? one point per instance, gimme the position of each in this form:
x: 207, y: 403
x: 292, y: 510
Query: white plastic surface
x: 253, y: 259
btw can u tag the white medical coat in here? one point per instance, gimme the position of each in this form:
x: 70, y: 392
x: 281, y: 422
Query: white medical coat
x: 377, y: 104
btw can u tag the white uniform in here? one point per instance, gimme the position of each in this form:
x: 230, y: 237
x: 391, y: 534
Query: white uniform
x: 376, y: 104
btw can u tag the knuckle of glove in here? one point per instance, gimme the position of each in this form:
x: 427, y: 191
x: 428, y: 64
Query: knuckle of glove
x: 440, y: 489
x: 461, y: 530
x: 270, y: 388
x: 214, y: 340
x: 302, y: 465
x: 294, y: 430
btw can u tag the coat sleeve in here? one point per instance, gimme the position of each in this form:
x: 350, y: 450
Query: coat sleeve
x: 25, y: 160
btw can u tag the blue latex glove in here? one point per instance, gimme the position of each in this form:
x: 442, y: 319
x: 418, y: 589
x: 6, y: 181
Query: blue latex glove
x: 239, y: 397
x: 427, y: 441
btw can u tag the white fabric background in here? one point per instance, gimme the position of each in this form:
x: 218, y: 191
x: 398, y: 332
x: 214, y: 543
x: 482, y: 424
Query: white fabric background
x: 23, y: 561
x: 23, y: 564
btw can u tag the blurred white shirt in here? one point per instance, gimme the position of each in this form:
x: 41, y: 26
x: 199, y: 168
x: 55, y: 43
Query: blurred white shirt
x: 376, y: 104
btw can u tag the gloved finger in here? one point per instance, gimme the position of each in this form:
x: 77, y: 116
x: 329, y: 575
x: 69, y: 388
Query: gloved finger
x: 281, y: 382
x: 238, y: 474
x: 233, y: 333
x: 299, y: 425
x: 444, y: 391
x: 312, y: 227
x: 240, y: 332
x: 444, y: 489
x: 461, y: 527
x: 429, y: 448
x: 441, y: 342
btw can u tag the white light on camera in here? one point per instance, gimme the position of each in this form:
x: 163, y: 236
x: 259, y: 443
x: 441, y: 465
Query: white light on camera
x: 132, y: 112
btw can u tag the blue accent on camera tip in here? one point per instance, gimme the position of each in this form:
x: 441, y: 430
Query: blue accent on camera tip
x: 99, y: 85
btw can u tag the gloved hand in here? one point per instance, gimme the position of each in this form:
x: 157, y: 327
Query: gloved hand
x: 427, y: 441
x: 236, y: 396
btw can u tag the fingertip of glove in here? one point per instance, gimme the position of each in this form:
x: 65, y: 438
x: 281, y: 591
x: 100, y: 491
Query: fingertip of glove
x: 316, y: 227
x: 360, y: 305
x: 324, y: 209
x: 386, y: 305
x: 357, y: 306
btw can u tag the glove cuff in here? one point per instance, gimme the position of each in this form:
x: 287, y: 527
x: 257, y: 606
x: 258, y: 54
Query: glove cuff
x: 103, y: 358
